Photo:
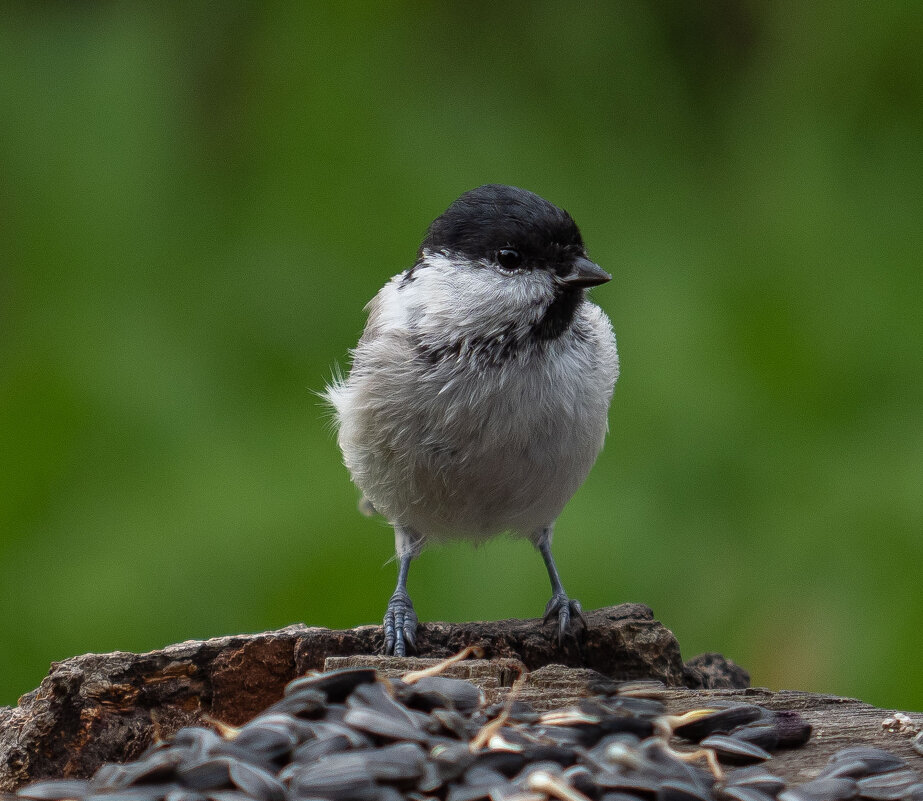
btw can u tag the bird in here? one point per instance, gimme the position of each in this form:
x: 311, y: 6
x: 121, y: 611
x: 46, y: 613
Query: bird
x: 477, y: 398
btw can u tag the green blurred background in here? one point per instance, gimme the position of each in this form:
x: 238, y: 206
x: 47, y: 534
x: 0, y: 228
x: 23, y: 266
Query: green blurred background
x: 196, y: 201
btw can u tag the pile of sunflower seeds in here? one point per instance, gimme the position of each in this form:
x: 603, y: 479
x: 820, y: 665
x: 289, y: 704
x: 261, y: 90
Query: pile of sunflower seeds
x: 353, y: 735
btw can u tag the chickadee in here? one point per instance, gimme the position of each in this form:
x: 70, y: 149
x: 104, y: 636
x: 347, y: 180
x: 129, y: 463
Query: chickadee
x: 477, y: 399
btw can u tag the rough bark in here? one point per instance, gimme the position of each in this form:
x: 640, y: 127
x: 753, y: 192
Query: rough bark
x: 96, y: 708
x: 836, y: 722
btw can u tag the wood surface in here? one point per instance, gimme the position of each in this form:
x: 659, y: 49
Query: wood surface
x: 98, y: 708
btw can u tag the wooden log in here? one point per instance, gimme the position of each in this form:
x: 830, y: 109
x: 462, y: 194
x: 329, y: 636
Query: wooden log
x: 109, y: 707
x: 836, y: 722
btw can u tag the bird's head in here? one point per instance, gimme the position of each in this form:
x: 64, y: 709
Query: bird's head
x: 504, y: 260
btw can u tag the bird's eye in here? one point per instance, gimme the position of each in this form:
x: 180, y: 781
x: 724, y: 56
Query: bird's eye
x: 509, y: 258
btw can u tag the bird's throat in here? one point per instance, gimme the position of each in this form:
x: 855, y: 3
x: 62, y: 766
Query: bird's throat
x: 559, y: 314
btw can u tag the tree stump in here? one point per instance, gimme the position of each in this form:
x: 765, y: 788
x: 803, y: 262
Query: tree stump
x: 100, y: 708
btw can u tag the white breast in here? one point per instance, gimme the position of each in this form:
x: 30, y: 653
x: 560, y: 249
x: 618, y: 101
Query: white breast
x: 454, y: 448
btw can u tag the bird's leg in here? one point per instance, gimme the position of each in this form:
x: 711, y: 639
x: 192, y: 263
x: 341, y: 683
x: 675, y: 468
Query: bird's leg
x: 560, y: 605
x: 400, y: 621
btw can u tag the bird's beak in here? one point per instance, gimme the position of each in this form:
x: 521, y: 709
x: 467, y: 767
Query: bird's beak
x: 584, y: 273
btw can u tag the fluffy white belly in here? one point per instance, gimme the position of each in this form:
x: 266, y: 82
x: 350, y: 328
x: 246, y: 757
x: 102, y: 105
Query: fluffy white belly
x: 473, y: 453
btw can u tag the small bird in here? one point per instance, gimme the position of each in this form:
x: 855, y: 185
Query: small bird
x: 478, y: 394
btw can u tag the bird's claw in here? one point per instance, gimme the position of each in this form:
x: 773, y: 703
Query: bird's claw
x: 400, y: 625
x: 567, y: 612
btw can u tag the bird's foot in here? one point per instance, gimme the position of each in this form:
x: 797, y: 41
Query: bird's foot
x: 567, y: 611
x: 400, y: 625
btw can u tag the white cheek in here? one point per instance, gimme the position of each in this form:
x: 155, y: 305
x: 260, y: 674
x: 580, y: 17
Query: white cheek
x: 392, y: 306
x: 433, y: 293
x: 475, y: 301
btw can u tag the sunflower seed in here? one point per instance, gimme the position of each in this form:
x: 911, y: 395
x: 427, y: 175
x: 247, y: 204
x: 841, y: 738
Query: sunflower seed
x: 184, y: 795
x: 269, y: 737
x: 141, y: 792
x: 664, y: 763
x: 566, y: 735
x: 388, y: 793
x: 855, y: 769
x: 721, y: 721
x: 519, y: 712
x: 332, y: 779
x: 876, y: 760
x: 452, y: 759
x: 632, y: 781
x: 509, y: 763
x: 375, y: 697
x: 581, y: 779
x: 335, y: 713
x: 743, y: 793
x: 55, y: 789
x: 756, y: 777
x: 433, y: 692
x: 402, y: 762
x: 213, y: 773
x: 622, y: 753
x: 913, y: 793
x: 887, y: 786
x: 480, y: 775
x: 514, y: 793
x: 335, y: 684
x: 821, y: 790
x: 256, y: 783
x: 623, y: 724
x: 791, y: 728
x: 733, y: 750
x: 548, y: 766
x: 106, y: 777
x: 326, y: 729
x: 676, y: 790
x: 764, y: 735
x: 570, y: 716
x: 307, y: 702
x: 227, y: 795
x: 199, y: 740
x: 158, y: 767
x: 312, y: 750
x: 383, y: 724
x: 451, y: 722
x: 508, y: 738
x: 431, y: 780
x: 468, y: 792
x: 619, y: 796
x: 563, y: 757
x: 350, y: 736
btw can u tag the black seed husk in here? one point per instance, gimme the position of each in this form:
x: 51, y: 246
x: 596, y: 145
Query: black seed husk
x: 887, y: 786
x: 55, y: 789
x: 721, y: 721
x: 353, y: 736
x: 735, y: 751
x: 821, y: 790
x: 744, y: 793
x: 335, y: 684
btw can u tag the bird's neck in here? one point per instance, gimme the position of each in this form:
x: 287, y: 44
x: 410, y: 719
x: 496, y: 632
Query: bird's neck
x: 559, y: 315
